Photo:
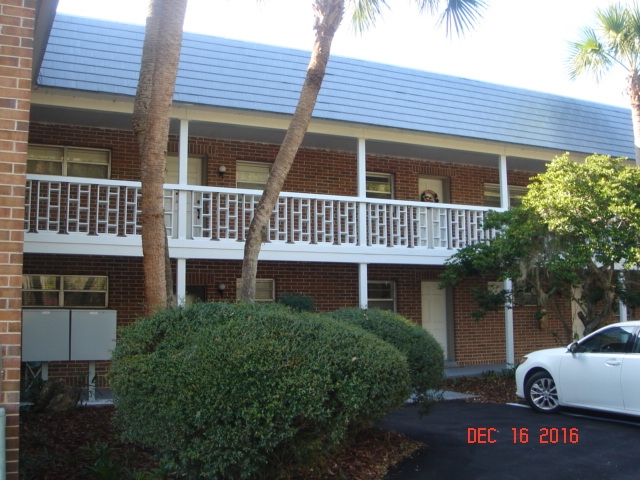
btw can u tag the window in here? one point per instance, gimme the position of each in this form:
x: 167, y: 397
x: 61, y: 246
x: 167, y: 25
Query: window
x: 612, y: 340
x: 379, y: 185
x: 265, y: 289
x: 78, y: 291
x: 68, y: 161
x: 382, y: 295
x: 492, y: 195
x: 252, y: 175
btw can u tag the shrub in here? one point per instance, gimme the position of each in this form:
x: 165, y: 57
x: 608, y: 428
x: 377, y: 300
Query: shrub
x: 297, y: 301
x: 244, y: 391
x: 424, y: 354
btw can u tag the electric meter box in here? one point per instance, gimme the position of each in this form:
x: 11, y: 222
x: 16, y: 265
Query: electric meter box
x: 60, y: 334
x: 93, y: 334
x: 45, y: 335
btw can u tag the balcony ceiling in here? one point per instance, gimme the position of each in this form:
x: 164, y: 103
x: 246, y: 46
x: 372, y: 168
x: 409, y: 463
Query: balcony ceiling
x: 115, y: 120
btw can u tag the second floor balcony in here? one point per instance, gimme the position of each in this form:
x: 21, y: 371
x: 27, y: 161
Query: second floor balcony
x: 86, y: 216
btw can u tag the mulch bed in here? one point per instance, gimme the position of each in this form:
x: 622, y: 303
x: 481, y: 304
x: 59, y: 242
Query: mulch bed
x: 83, y: 444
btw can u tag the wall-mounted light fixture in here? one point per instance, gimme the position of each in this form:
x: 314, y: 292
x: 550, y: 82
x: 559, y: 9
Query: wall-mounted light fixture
x: 221, y: 288
x: 222, y: 170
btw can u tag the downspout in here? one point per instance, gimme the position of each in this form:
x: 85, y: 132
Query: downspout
x: 3, y: 444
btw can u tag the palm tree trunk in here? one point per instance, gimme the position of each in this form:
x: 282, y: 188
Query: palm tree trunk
x: 158, y: 72
x: 633, y: 90
x: 329, y: 14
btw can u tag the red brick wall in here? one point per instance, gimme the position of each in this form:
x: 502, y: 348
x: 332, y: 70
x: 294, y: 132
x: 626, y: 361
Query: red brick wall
x: 482, y: 341
x: 16, y: 51
x: 331, y: 286
x: 314, y: 171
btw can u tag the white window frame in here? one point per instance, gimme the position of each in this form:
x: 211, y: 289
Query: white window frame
x: 386, y: 178
x: 263, y: 169
x: 67, y: 153
x: 492, y: 194
x: 62, y: 289
x: 265, y: 289
x: 371, y: 301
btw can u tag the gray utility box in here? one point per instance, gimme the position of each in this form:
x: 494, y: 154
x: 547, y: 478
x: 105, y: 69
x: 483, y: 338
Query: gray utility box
x: 59, y: 335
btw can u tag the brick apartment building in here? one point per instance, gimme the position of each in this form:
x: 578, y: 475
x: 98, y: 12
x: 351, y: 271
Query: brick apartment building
x: 352, y: 226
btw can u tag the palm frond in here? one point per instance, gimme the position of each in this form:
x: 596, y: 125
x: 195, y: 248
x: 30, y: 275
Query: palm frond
x: 458, y: 15
x: 366, y: 12
x: 588, y: 55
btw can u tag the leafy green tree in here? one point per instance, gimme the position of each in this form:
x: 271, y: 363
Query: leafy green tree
x: 576, y: 232
x: 615, y: 40
x: 457, y: 15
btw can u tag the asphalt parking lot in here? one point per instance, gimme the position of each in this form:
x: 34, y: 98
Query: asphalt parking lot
x: 474, y: 441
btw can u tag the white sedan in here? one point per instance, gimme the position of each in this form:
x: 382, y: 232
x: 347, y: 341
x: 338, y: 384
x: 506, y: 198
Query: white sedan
x: 601, y: 372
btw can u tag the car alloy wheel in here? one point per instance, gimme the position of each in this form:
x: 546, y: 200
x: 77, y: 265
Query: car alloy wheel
x: 541, y: 393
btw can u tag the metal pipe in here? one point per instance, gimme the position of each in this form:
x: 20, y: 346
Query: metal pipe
x: 3, y: 444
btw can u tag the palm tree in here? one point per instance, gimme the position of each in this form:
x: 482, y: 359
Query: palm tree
x: 457, y: 15
x: 615, y: 40
x: 158, y: 72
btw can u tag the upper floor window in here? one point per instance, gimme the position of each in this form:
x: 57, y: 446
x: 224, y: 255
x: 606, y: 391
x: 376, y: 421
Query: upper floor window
x: 492, y: 195
x: 68, y: 161
x: 379, y: 185
x: 77, y: 291
x: 252, y: 175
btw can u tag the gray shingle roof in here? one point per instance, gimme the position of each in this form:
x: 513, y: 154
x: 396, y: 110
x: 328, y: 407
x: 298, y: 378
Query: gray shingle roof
x: 98, y: 56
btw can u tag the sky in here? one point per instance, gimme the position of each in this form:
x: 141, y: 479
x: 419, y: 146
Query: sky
x: 516, y: 43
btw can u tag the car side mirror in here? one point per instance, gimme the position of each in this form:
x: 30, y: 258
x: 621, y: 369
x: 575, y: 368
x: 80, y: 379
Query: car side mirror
x: 574, y: 347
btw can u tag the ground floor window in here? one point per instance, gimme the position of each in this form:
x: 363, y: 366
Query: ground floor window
x: 382, y: 295
x: 77, y: 291
x: 265, y: 289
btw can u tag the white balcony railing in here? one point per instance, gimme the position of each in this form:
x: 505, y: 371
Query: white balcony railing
x: 77, y: 206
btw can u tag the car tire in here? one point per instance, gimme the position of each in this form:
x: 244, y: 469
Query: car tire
x: 541, y: 393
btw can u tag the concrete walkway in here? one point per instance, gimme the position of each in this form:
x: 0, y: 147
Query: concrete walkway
x: 452, y: 370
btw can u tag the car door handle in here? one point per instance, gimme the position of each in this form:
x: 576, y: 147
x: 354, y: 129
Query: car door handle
x: 613, y: 362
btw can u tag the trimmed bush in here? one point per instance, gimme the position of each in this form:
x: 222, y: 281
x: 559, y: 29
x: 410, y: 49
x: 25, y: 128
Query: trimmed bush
x: 247, y: 391
x: 424, y: 354
x: 297, y: 301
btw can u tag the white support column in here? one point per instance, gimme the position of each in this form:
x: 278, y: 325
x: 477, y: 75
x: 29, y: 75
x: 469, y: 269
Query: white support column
x: 181, y: 280
x: 504, y: 183
x: 508, y: 285
x: 362, y: 192
x: 363, y: 275
x: 363, y: 291
x: 362, y: 168
x: 508, y: 328
x: 183, y: 160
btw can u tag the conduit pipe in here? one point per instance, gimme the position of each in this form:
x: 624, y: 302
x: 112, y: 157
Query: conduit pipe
x: 3, y: 452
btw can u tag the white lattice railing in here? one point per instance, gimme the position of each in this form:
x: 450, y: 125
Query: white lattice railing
x: 107, y: 207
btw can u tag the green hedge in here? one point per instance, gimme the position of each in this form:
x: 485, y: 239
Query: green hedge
x: 246, y: 391
x: 424, y: 354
